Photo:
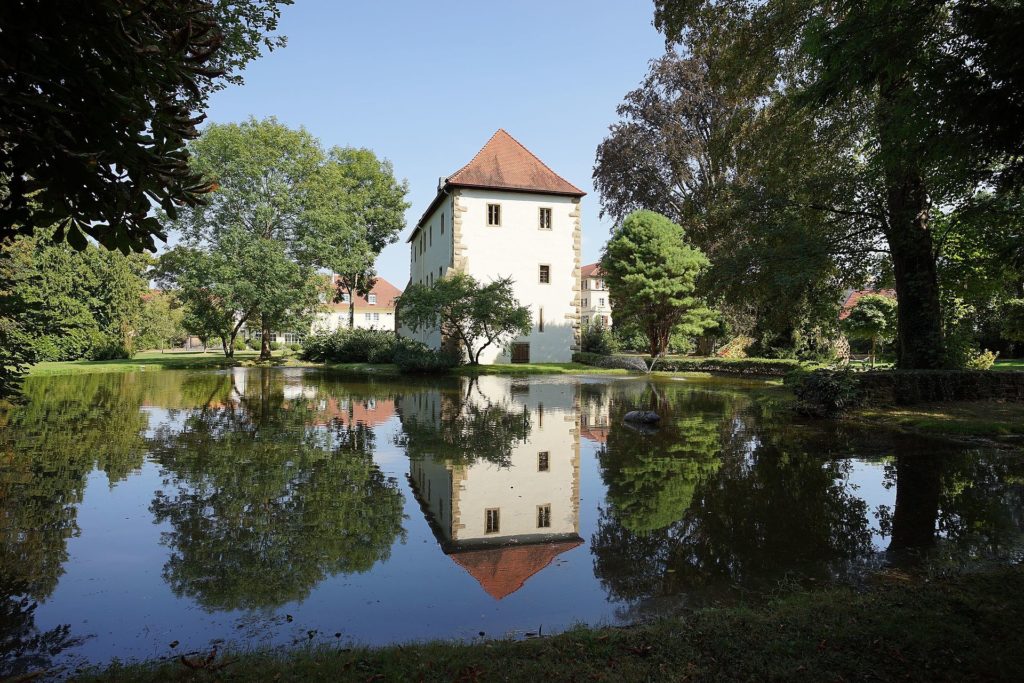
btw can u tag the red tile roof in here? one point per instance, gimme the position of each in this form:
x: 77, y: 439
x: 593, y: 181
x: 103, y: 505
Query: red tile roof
x: 592, y: 270
x: 856, y: 296
x: 505, y: 164
x: 385, y: 291
x: 502, y: 571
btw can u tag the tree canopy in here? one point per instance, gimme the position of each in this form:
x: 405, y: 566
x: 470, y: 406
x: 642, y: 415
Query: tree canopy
x: 98, y: 100
x: 872, y: 318
x: 469, y: 314
x: 651, y: 274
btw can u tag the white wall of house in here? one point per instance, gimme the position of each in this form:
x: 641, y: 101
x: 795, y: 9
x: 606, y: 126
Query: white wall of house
x: 365, y: 318
x: 595, y: 304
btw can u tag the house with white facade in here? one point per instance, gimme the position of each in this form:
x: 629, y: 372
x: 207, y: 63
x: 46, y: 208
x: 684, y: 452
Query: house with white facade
x: 375, y: 311
x: 595, y: 304
x: 502, y: 523
x: 506, y: 214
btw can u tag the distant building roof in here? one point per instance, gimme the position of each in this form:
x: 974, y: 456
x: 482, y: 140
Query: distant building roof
x: 857, y: 294
x: 385, y: 291
x: 502, y: 571
x: 503, y: 164
x: 592, y: 270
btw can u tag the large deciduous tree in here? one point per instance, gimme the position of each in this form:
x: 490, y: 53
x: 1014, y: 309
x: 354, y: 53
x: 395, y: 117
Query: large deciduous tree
x: 651, y: 274
x: 98, y: 100
x: 934, y: 88
x: 873, y: 318
x: 469, y: 314
x: 283, y: 209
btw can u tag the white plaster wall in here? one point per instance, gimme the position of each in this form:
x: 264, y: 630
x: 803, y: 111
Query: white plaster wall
x: 593, y: 295
x: 333, y: 320
x: 435, y: 239
x: 517, y: 248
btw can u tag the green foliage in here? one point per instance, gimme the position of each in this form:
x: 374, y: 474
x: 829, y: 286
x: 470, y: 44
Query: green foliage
x: 1013, y: 319
x: 239, y: 345
x: 276, y: 346
x: 295, y: 347
x: 469, y: 314
x: 825, y: 393
x: 417, y: 358
x: 907, y: 387
x: 873, y: 318
x: 598, y: 339
x: 98, y: 100
x: 771, y: 367
x: 651, y: 274
x: 160, y: 325
x: 351, y: 346
x: 984, y: 360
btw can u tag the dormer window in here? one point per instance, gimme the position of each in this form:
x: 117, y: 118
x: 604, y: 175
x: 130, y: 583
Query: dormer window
x: 494, y: 215
x: 372, y: 299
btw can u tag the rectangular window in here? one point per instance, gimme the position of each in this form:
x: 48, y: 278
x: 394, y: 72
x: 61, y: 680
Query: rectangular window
x: 439, y: 275
x: 372, y: 299
x: 430, y: 235
x: 494, y: 214
x: 543, y: 516
x: 586, y: 283
x: 368, y: 316
x: 492, y: 523
x: 600, y: 302
x: 545, y: 219
x: 344, y: 298
x: 442, y: 223
x: 540, y: 319
x: 543, y: 461
x: 584, y: 303
x: 545, y: 275
x: 376, y: 316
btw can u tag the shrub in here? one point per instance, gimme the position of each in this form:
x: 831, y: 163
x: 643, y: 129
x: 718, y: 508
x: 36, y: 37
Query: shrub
x: 772, y: 367
x: 598, y: 360
x: 983, y: 360
x: 351, y: 346
x: 599, y: 340
x: 275, y: 346
x: 295, y: 347
x: 239, y: 344
x: 736, y: 347
x: 110, y: 349
x: 254, y: 343
x: 825, y: 393
x: 415, y: 357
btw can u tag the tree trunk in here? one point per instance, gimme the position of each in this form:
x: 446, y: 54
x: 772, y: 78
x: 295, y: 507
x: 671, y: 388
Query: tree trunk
x: 918, y: 489
x: 229, y: 349
x: 352, y: 302
x: 265, y: 343
x: 919, y: 343
x: 872, y: 353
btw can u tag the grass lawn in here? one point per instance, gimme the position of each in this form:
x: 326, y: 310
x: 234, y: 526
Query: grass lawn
x: 964, y: 628
x: 1009, y: 364
x: 145, y: 361
x: 959, y: 418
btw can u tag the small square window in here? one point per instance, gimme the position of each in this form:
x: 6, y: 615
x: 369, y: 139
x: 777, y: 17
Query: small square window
x: 492, y: 521
x: 543, y: 461
x: 543, y: 516
x: 600, y: 302
x: 545, y: 275
x: 494, y: 214
x: 372, y: 299
x: 545, y: 219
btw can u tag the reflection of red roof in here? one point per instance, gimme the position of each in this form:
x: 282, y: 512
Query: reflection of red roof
x: 502, y: 571
x: 599, y: 434
x: 386, y: 295
x: 505, y: 164
x: 371, y: 417
x: 592, y: 270
x: 858, y: 294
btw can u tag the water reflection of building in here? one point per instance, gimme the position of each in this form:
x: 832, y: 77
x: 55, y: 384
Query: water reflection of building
x: 503, y: 521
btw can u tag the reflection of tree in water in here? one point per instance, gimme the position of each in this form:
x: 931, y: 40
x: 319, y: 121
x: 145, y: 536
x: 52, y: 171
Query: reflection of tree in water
x: 68, y: 427
x: 458, y: 423
x: 753, y: 510
x: 265, y: 507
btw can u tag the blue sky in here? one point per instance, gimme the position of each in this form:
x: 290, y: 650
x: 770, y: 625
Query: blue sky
x: 426, y: 84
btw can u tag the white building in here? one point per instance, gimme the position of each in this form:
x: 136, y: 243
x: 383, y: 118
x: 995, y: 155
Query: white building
x: 502, y: 524
x: 375, y: 311
x: 595, y: 304
x: 503, y: 214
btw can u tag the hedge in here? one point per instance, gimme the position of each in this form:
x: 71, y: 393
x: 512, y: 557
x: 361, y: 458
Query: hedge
x: 829, y: 393
x: 772, y: 367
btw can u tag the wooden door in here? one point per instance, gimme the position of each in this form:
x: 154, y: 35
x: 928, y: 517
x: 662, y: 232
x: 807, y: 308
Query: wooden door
x: 521, y: 352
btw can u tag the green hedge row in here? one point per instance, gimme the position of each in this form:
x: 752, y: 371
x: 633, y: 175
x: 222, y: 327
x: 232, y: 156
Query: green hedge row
x: 772, y: 367
x: 829, y: 393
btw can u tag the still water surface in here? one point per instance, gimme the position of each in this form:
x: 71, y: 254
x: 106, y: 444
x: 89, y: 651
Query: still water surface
x: 278, y: 507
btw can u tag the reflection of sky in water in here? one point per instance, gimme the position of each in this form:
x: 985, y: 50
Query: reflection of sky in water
x: 114, y: 587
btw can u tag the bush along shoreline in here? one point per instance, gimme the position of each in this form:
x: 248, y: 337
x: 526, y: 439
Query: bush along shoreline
x: 377, y: 347
x: 832, y: 393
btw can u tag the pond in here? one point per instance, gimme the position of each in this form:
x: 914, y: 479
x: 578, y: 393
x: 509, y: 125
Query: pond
x: 154, y: 514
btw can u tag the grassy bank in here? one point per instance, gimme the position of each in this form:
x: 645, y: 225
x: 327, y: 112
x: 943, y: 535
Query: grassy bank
x: 956, y: 629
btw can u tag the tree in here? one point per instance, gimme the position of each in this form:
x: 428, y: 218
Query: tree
x: 873, y: 318
x: 374, y: 203
x: 160, y: 324
x: 651, y: 274
x: 98, y: 100
x: 470, y: 315
x: 928, y: 85
x: 280, y: 212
